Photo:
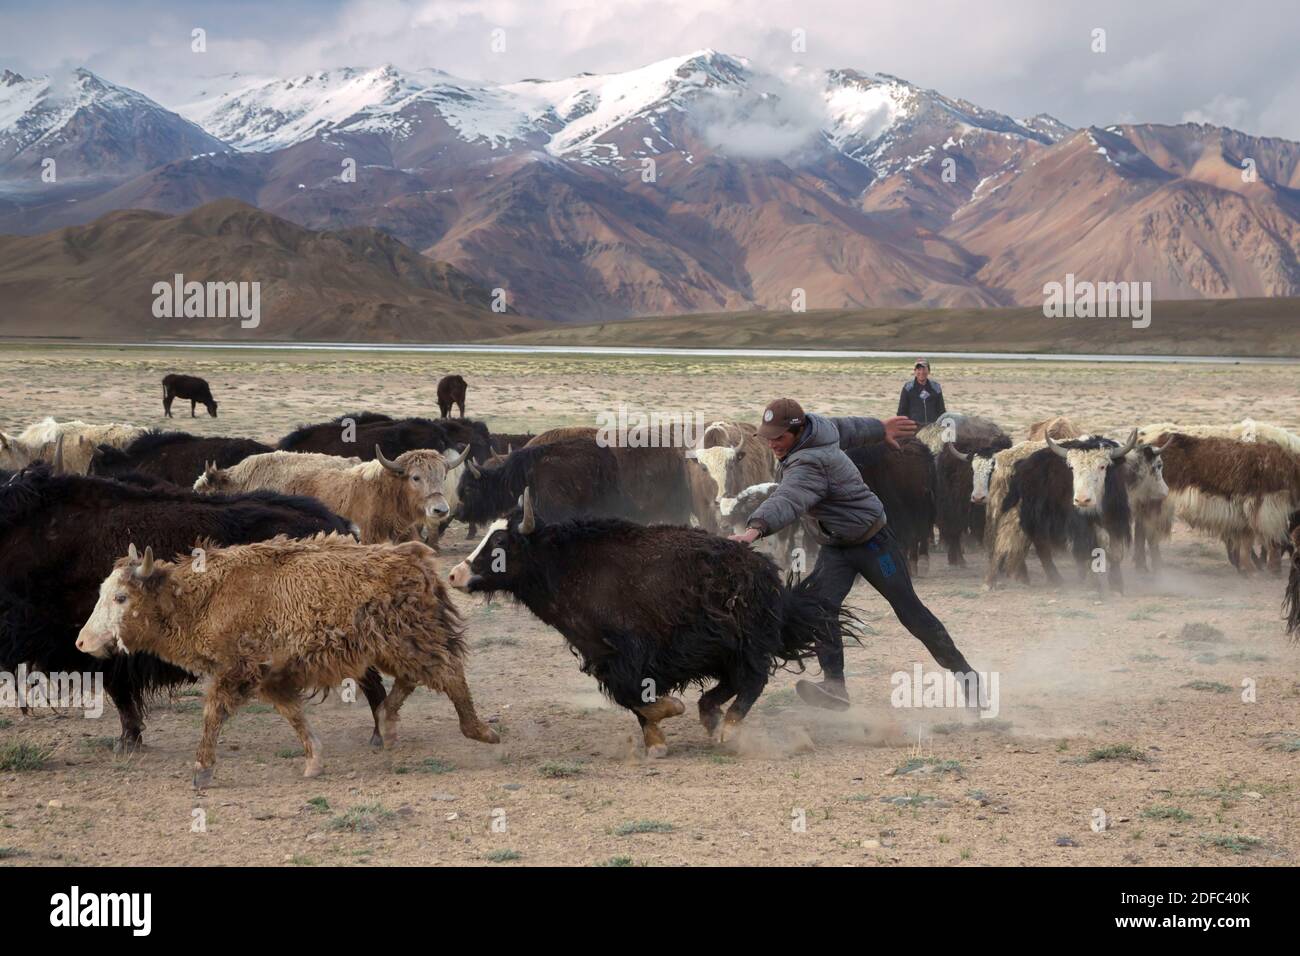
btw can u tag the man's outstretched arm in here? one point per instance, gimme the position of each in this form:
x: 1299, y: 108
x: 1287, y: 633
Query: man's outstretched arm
x: 857, y: 431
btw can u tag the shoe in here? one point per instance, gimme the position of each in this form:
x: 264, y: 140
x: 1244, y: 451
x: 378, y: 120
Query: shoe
x: 828, y: 695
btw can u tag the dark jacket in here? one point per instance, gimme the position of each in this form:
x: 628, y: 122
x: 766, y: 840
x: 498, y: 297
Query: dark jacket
x: 921, y: 403
x: 818, y: 480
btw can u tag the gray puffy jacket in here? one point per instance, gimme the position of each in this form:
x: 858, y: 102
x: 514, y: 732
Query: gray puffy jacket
x: 818, y: 480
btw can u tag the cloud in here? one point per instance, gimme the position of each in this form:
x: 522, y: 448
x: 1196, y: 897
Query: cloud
x: 1166, y: 58
x: 1223, y: 110
x: 776, y: 120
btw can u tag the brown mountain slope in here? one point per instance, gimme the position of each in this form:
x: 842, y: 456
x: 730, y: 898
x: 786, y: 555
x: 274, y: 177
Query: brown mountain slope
x: 97, y: 281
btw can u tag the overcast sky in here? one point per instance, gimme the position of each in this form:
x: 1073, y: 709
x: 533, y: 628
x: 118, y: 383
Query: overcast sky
x: 1165, y: 61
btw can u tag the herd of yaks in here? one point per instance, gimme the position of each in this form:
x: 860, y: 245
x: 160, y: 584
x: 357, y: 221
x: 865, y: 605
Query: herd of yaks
x: 160, y: 557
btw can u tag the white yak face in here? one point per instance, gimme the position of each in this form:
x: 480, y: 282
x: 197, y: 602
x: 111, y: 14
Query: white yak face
x: 1089, y: 467
x: 459, y: 576
x: 101, y: 634
x: 717, y: 461
x: 982, y: 474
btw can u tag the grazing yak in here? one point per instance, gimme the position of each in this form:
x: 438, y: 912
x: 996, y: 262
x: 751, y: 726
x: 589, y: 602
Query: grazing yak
x: 80, y: 440
x: 189, y: 388
x: 1236, y: 490
x: 59, y: 538
x: 451, y: 391
x: 283, y: 617
x: 1075, y: 495
x: 386, y: 500
x: 577, y: 475
x: 173, y: 456
x: 903, y: 479
x: 651, y: 610
x: 357, y: 435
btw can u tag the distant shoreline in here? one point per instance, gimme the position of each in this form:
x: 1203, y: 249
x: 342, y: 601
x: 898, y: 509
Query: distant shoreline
x: 666, y: 351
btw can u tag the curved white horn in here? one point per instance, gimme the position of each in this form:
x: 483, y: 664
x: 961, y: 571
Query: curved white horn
x: 453, y: 462
x: 1128, y: 446
x: 949, y: 446
x: 529, y: 522
x: 1056, y: 448
x: 379, y: 457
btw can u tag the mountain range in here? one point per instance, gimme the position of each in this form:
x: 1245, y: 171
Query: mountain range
x: 700, y: 183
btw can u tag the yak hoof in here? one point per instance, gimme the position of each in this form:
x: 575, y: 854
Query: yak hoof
x: 484, y: 733
x: 128, y: 745
x: 313, y: 768
x: 202, y: 777
x: 656, y: 751
x: 375, y: 739
x: 710, y: 719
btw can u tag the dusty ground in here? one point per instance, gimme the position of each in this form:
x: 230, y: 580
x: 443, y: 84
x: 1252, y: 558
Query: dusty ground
x: 1208, y: 779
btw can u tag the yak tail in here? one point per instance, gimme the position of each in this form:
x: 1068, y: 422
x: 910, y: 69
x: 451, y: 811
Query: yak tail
x: 810, y: 621
x: 1291, y: 603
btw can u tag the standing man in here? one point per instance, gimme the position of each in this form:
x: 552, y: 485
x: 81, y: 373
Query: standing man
x: 818, y: 482
x: 922, y: 398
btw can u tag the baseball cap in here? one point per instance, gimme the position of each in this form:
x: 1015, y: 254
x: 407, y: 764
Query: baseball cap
x: 921, y: 361
x: 780, y: 416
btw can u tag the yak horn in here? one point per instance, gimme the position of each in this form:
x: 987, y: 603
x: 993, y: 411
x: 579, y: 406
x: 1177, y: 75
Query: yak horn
x: 146, y: 565
x: 57, y: 465
x: 132, y: 553
x: 510, y: 448
x: 1055, y: 447
x: 453, y: 462
x: 379, y: 457
x: 473, y: 469
x: 529, y: 524
x: 953, y: 448
x: 1128, y: 446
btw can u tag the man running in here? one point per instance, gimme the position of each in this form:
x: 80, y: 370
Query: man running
x: 818, y: 482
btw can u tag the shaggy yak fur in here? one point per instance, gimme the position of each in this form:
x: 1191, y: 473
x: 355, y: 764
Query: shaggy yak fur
x: 1236, y: 490
x: 1042, y: 494
x: 1291, y: 603
x: 173, y: 456
x: 576, y: 476
x: 60, y: 537
x: 283, y: 617
x: 451, y: 391
x: 651, y: 610
x: 393, y: 436
x: 903, y: 479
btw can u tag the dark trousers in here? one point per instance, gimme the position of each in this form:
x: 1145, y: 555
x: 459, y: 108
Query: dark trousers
x: 883, y: 564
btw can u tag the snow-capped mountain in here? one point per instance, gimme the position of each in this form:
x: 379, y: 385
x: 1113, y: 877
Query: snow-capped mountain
x: 860, y: 188
x: 601, y: 119
x: 89, y: 127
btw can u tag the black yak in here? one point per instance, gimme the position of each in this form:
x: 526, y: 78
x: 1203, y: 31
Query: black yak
x: 451, y: 391
x: 355, y: 436
x: 652, y: 610
x: 187, y: 387
x: 956, y: 512
x: 60, y: 536
x: 1075, y: 494
x: 173, y: 456
x: 570, y: 478
x: 903, y: 479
